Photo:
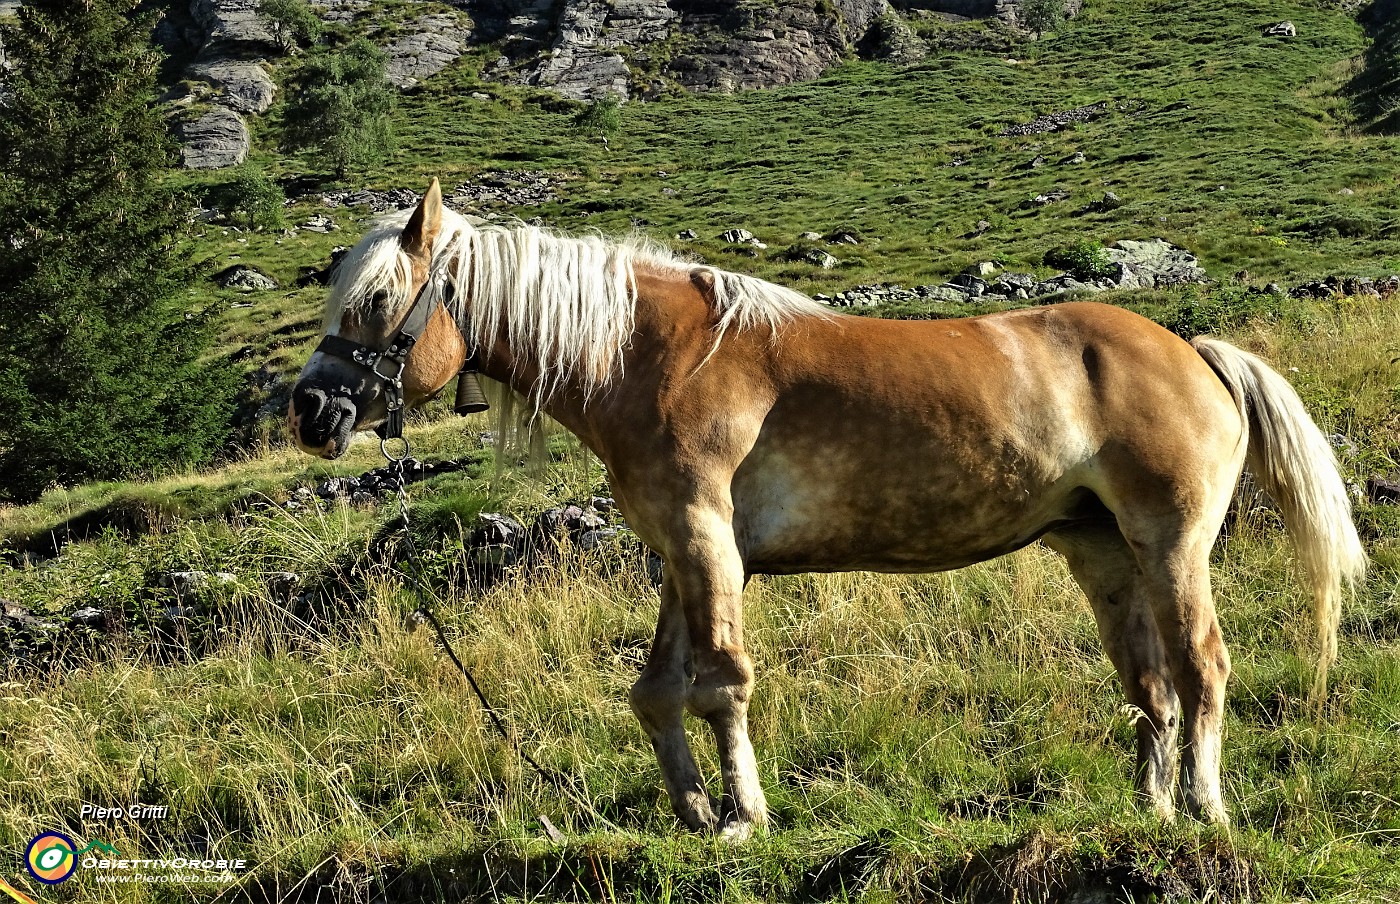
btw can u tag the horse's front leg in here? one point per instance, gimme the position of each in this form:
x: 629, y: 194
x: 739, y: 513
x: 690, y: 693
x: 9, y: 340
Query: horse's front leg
x: 709, y: 576
x: 658, y: 700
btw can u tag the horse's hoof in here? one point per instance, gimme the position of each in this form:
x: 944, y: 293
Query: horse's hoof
x: 736, y: 832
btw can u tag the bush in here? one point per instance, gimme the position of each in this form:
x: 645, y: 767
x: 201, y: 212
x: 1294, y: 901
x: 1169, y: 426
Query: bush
x: 601, y: 117
x: 1041, y: 16
x: 251, y: 199
x: 1085, y: 261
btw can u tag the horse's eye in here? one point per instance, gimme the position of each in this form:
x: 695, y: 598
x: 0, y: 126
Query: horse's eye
x: 378, y: 299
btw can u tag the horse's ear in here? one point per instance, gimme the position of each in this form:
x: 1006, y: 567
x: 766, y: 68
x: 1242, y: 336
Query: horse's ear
x: 423, y: 226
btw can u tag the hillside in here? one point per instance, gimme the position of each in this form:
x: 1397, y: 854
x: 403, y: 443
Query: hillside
x: 235, y: 643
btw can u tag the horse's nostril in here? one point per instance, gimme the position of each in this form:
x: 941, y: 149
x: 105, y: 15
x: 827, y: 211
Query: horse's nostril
x: 309, y: 402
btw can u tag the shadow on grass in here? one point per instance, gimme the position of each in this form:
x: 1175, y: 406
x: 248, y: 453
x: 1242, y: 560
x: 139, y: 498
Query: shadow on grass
x: 1040, y: 867
x: 1376, y: 89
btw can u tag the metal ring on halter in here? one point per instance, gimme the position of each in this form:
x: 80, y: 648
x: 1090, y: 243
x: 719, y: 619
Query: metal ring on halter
x: 384, y: 448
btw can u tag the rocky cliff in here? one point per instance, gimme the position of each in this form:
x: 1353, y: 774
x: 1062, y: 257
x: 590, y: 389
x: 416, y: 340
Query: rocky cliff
x: 582, y: 49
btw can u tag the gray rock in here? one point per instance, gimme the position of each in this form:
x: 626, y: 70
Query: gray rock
x: 1383, y: 490
x: 1346, y: 192
x: 1281, y: 30
x: 1035, y: 162
x: 433, y: 44
x: 341, y: 12
x: 1010, y: 284
x: 215, y: 140
x: 1153, y: 264
x: 1050, y: 197
x: 88, y: 617
x: 1074, y: 159
x: 843, y: 237
x: 973, y: 286
x: 736, y: 236
x: 319, y: 223
x: 942, y: 293
x: 983, y: 269
x: 810, y: 237
x: 244, y: 85
x: 245, y: 278
x: 687, y: 235
x: 820, y: 258
x: 982, y: 227
x: 231, y: 22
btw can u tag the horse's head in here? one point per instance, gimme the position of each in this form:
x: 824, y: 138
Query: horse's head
x: 380, y: 290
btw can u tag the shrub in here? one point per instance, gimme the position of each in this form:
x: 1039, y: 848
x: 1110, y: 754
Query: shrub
x: 602, y: 116
x: 251, y: 199
x: 1085, y: 261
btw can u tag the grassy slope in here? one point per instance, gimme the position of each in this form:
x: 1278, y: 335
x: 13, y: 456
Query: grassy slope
x: 911, y: 731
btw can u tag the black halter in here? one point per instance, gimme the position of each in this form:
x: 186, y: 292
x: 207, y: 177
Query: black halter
x: 405, y: 337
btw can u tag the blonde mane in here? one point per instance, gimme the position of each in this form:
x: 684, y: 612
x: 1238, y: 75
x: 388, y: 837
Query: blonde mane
x: 566, y: 303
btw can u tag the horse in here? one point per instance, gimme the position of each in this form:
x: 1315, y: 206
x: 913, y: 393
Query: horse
x: 731, y: 413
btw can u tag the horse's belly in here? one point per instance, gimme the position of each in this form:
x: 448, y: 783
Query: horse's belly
x: 790, y: 521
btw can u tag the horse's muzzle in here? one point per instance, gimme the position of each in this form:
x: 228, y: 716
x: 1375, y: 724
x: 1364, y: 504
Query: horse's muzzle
x: 321, y: 422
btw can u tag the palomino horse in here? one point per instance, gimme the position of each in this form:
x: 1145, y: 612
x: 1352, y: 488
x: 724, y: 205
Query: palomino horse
x: 732, y: 414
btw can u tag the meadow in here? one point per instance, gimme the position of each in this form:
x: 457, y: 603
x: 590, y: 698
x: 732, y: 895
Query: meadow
x: 950, y: 737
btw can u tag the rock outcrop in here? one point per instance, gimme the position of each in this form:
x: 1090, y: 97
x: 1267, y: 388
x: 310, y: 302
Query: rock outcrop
x: 215, y: 140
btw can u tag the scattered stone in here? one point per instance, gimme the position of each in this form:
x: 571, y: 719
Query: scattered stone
x: 982, y: 227
x: 245, y: 278
x: 1074, y: 159
x: 984, y: 269
x: 1035, y: 162
x: 1054, y: 122
x: 377, y: 201
x: 88, y: 617
x: 506, y: 188
x: 1383, y: 490
x: 281, y: 585
x: 215, y: 140
x: 811, y: 236
x: 809, y: 255
x: 1346, y: 192
x: 319, y: 223
x: 972, y: 286
x: 1052, y: 197
x: 1281, y: 30
x: 843, y: 237
x: 736, y: 236
x: 941, y: 293
x: 686, y: 235
x: 498, y: 539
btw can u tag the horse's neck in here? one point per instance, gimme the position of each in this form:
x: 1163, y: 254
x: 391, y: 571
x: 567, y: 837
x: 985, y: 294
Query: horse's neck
x: 671, y: 330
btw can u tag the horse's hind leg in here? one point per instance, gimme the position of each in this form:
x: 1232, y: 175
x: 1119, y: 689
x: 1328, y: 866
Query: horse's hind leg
x: 658, y: 700
x: 1106, y: 569
x: 1175, y: 562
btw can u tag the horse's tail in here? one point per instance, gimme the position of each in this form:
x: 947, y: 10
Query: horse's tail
x: 1294, y: 463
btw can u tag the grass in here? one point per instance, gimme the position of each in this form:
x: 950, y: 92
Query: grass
x: 945, y: 737
x: 953, y: 737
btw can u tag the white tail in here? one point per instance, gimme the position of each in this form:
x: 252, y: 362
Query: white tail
x: 1295, y: 465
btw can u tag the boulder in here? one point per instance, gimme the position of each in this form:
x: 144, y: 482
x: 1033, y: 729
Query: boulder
x: 215, y: 140
x: 227, y: 22
x: 245, y: 278
x: 243, y: 85
x: 1153, y: 264
x: 1281, y: 30
x: 736, y: 236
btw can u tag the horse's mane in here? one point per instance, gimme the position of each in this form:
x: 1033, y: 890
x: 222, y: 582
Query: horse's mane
x: 565, y: 302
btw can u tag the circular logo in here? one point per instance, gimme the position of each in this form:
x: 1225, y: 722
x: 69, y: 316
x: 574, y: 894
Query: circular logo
x: 50, y: 858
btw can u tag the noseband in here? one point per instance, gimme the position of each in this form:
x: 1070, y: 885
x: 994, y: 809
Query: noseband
x: 391, y: 378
